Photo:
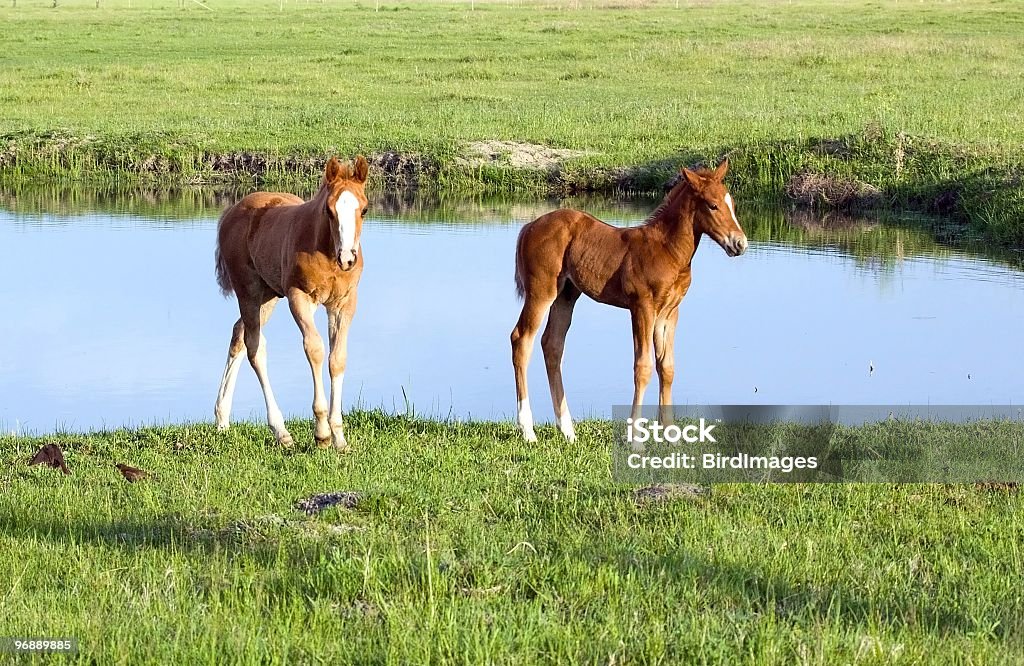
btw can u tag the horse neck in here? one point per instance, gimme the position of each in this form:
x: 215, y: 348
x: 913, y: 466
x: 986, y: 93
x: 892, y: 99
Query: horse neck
x: 674, y: 219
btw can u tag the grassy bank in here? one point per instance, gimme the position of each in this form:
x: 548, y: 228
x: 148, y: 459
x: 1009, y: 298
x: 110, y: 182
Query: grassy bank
x: 909, y: 105
x: 466, y: 545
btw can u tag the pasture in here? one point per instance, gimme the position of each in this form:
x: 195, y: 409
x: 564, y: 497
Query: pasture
x: 468, y: 546
x: 905, y: 104
x: 126, y: 126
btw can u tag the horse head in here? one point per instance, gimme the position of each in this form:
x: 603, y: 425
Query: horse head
x: 345, y: 206
x: 715, y: 214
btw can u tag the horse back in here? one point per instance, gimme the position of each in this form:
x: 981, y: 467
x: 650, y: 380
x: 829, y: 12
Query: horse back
x: 238, y: 227
x: 568, y: 243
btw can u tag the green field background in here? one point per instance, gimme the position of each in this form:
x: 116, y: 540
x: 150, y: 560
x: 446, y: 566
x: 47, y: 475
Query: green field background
x: 921, y: 101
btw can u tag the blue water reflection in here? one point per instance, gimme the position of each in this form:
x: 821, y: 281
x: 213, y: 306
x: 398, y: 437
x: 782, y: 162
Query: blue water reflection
x: 114, y: 320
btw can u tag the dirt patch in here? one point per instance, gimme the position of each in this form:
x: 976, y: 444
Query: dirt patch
x: 403, y: 169
x: 516, y: 154
x: 820, y: 190
x: 317, y: 503
x: 664, y: 492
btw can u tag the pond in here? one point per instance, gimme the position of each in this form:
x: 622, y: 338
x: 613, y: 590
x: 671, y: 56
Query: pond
x: 112, y: 316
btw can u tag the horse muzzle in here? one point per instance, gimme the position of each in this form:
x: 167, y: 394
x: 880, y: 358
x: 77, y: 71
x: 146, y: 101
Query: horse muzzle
x: 347, y: 259
x: 735, y: 245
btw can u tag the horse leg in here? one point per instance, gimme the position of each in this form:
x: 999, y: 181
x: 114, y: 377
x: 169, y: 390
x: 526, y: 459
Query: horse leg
x: 552, y: 342
x: 643, y: 330
x: 664, y: 356
x: 303, y: 308
x: 522, y: 347
x: 227, y: 383
x: 255, y: 313
x: 339, y: 319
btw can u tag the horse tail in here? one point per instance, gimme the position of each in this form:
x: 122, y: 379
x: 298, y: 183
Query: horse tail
x: 221, y: 264
x: 520, y: 288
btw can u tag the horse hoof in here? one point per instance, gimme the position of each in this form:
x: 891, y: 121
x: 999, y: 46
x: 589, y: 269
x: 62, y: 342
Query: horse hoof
x: 221, y: 427
x: 323, y: 442
x: 530, y: 436
x: 339, y: 442
x: 285, y: 441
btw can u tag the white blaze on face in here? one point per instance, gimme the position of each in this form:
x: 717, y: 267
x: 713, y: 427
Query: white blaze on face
x: 346, y: 208
x: 732, y: 210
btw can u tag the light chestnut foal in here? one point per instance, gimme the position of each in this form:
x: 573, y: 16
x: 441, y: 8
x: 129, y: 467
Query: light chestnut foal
x: 272, y: 245
x: 645, y: 269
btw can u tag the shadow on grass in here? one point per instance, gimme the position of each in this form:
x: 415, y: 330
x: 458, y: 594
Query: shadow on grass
x: 166, y: 533
x: 741, y: 588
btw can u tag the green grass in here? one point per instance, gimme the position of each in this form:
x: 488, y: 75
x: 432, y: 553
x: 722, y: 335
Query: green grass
x: 470, y: 547
x: 919, y: 99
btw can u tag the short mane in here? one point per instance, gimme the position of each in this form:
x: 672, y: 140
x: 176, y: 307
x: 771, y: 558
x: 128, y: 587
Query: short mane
x: 676, y: 186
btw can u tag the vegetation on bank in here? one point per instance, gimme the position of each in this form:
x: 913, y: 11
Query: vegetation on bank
x: 907, y: 105
x: 465, y: 545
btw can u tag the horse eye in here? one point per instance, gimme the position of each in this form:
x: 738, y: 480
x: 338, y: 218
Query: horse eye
x: 712, y: 206
x: 364, y: 211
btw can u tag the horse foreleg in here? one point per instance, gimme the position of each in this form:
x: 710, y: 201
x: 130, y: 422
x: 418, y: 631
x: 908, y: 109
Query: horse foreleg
x: 254, y: 315
x: 303, y: 309
x: 222, y: 411
x: 339, y: 320
x: 522, y: 347
x: 552, y: 342
x: 664, y: 355
x: 643, y: 333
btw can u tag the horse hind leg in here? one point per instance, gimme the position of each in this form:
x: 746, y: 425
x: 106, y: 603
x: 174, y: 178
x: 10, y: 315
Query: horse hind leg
x: 222, y: 410
x: 254, y: 315
x: 552, y: 342
x: 523, y: 335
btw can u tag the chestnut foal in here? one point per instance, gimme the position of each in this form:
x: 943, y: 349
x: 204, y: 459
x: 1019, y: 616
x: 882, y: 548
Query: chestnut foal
x: 272, y: 245
x: 645, y: 269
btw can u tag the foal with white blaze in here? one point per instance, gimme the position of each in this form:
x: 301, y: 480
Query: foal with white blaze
x: 645, y: 269
x: 272, y: 245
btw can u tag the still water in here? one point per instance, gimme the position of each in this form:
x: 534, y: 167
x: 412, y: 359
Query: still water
x: 111, y: 317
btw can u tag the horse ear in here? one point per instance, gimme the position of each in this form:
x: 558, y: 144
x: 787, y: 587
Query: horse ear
x: 362, y: 169
x: 332, y: 170
x: 721, y: 170
x: 696, y: 182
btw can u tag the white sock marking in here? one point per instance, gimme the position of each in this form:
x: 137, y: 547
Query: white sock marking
x: 525, y: 418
